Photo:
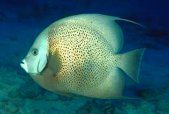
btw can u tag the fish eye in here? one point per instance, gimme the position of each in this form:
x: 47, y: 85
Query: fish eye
x: 35, y: 51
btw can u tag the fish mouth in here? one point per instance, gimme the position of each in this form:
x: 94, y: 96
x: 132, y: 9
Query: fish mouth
x: 23, y: 65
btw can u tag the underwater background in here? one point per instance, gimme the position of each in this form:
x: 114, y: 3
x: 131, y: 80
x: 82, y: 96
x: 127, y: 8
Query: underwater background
x: 22, y: 20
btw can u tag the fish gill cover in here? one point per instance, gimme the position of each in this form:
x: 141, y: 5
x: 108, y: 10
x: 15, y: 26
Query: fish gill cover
x: 22, y: 21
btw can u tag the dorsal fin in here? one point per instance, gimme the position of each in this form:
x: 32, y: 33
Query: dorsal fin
x: 104, y: 24
x: 130, y: 21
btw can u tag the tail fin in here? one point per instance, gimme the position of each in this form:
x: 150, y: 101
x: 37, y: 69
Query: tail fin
x: 130, y: 21
x: 130, y: 63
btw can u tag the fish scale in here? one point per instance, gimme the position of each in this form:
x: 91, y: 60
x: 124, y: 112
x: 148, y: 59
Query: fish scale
x: 83, y: 51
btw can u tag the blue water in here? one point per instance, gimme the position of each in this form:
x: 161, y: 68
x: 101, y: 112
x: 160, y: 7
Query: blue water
x: 22, y: 20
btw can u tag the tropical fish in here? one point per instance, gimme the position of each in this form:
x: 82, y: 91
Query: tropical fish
x: 80, y: 55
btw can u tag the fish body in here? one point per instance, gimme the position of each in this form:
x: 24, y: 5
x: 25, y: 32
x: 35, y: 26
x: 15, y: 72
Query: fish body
x: 80, y: 55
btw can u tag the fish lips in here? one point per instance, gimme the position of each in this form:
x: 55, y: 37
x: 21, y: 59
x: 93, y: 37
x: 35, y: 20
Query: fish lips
x: 23, y: 65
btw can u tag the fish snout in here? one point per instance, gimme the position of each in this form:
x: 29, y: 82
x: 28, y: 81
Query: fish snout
x: 23, y: 65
